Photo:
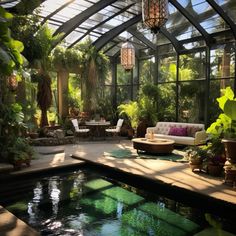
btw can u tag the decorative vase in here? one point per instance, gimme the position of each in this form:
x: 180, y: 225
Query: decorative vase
x: 230, y: 150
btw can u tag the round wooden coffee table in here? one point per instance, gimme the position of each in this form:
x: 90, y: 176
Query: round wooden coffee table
x: 156, y: 146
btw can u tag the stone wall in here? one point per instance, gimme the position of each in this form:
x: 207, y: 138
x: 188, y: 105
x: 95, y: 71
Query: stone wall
x: 49, y: 141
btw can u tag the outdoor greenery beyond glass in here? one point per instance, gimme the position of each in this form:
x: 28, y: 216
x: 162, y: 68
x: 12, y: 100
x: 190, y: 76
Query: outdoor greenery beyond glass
x: 82, y: 203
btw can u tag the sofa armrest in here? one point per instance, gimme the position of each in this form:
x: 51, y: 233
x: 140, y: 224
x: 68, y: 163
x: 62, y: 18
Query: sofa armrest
x: 151, y: 129
x: 200, y: 137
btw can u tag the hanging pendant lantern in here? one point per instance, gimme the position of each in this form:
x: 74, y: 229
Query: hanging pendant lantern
x: 155, y: 14
x: 127, y: 54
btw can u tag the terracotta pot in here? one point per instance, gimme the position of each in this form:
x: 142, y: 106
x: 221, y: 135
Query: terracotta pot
x: 18, y: 163
x: 33, y: 135
x: 230, y: 150
x: 195, y: 164
x: 52, y: 123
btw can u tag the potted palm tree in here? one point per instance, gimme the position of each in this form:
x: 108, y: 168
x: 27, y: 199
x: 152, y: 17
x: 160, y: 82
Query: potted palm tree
x: 131, y: 111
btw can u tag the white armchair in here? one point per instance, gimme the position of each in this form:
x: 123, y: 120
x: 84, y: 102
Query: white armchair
x: 115, y: 130
x: 79, y: 130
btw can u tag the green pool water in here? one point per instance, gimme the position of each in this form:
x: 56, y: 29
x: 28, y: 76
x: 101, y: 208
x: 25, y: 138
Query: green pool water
x: 83, y: 203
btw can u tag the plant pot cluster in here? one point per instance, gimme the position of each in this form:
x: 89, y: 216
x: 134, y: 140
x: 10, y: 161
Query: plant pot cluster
x: 203, y: 159
x: 195, y: 155
x: 20, y: 153
x: 224, y: 129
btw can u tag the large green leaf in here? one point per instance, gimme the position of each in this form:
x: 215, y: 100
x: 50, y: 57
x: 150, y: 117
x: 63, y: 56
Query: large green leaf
x: 222, y: 100
x: 5, y: 14
x: 230, y: 109
x: 4, y: 57
x: 228, y: 92
x: 228, y: 95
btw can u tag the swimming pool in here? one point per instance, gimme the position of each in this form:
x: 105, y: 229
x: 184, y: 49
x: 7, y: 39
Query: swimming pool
x: 85, y: 203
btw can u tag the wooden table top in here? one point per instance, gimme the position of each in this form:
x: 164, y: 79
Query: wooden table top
x: 154, y: 141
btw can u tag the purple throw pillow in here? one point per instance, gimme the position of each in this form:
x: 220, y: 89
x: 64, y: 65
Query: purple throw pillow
x: 178, y: 131
x: 191, y: 131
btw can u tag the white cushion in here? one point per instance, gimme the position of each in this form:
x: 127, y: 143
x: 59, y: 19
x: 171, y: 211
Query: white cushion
x: 119, y: 123
x: 82, y: 130
x: 112, y: 130
x: 185, y: 140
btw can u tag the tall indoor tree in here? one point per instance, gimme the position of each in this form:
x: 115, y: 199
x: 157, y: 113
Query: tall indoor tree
x: 94, y: 71
x: 39, y: 41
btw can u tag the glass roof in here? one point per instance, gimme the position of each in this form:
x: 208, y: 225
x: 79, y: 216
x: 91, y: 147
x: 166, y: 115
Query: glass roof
x: 191, y: 22
x: 208, y: 18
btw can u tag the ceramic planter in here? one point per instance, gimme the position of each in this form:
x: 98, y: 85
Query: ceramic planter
x: 195, y: 164
x: 230, y: 150
x: 214, y: 169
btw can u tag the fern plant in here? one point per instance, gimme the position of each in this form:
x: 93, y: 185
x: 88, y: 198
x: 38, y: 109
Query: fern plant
x: 131, y: 110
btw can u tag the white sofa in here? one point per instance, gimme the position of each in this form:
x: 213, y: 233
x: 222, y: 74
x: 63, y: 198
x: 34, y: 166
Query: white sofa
x: 162, y: 129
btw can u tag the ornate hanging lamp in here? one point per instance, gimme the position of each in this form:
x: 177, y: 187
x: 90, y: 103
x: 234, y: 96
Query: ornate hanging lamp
x: 127, y: 54
x: 12, y: 82
x: 155, y: 14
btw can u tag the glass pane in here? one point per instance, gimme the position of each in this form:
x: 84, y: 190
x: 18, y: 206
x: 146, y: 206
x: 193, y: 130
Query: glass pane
x: 108, y: 80
x: 123, y: 94
x: 167, y: 102
x: 192, y: 66
x: 165, y: 50
x: 192, y: 101
x: 167, y: 69
x: 215, y: 87
x: 207, y: 16
x: 161, y: 39
x: 49, y: 6
x: 229, y: 7
x: 123, y: 77
x: 179, y: 26
x: 115, y: 50
x: 147, y: 70
x: 222, y: 62
x: 195, y: 44
x: 72, y: 9
x: 105, y: 108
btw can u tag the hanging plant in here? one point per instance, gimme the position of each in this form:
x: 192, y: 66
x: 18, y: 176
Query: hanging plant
x: 68, y: 59
x: 94, y: 71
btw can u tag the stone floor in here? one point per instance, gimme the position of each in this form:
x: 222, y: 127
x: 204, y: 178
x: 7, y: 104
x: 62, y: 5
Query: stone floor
x: 171, y: 173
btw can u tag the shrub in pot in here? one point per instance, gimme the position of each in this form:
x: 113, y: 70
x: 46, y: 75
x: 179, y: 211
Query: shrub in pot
x: 20, y: 153
x: 195, y: 155
x: 215, y: 157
